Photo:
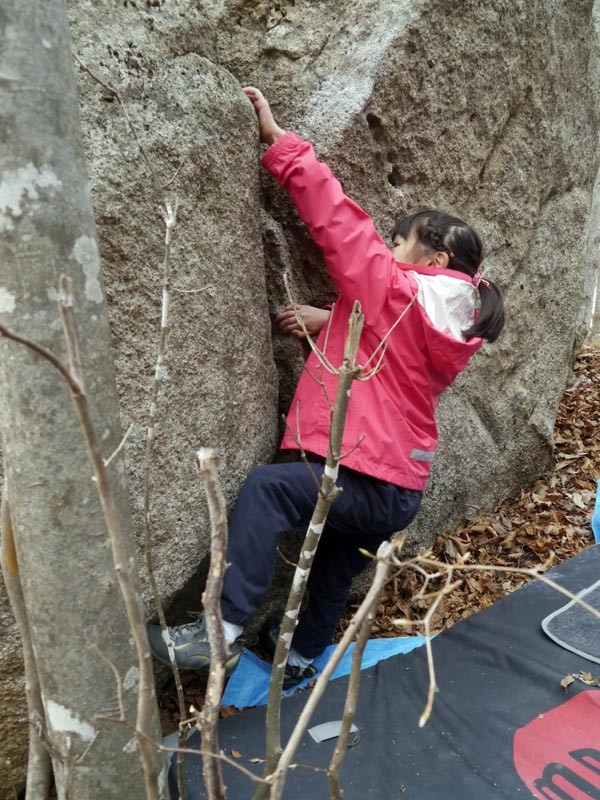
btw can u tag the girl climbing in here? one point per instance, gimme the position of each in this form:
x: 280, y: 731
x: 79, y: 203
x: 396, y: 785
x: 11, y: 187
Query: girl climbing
x: 434, y: 269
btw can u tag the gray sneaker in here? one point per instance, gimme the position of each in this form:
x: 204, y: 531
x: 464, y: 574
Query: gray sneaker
x: 190, y: 645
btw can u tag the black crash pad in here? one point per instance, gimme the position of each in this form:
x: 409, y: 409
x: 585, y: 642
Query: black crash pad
x: 502, y: 725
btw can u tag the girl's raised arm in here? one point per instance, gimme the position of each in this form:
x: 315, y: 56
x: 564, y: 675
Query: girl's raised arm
x: 360, y: 264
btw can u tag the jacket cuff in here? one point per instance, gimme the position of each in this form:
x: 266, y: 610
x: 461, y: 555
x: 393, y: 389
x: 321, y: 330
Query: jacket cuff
x: 282, y: 147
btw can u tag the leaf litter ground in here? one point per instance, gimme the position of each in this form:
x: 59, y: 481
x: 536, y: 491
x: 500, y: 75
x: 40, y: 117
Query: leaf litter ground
x: 553, y: 517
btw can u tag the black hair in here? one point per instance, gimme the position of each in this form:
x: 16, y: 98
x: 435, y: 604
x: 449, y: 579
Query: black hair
x: 444, y: 233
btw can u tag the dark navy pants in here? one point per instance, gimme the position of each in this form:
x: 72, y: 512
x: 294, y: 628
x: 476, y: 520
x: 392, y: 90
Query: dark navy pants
x: 280, y: 497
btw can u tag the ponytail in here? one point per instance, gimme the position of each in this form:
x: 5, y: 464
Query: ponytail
x: 444, y: 233
x: 490, y: 320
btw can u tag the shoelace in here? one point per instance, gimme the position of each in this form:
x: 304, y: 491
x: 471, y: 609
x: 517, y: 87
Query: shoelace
x: 197, y: 624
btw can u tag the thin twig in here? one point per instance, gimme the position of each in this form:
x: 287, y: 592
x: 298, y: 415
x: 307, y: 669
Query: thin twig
x: 46, y: 354
x: 192, y: 291
x: 298, y: 443
x: 533, y: 573
x: 286, y: 560
x: 360, y: 440
x: 386, y: 337
x: 66, y: 302
x: 418, y: 563
x: 430, y: 664
x: 161, y: 748
x: 121, y: 556
x: 322, y: 358
x: 172, y: 180
x: 114, y: 93
x: 170, y: 219
x: 309, y: 767
x: 39, y: 766
x: 329, y: 491
x: 328, y: 329
x: 321, y: 384
x: 115, y: 671
x: 108, y: 461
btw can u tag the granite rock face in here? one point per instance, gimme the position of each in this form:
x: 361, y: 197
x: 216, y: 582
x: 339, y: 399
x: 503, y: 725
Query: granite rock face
x: 219, y: 388
x: 486, y: 110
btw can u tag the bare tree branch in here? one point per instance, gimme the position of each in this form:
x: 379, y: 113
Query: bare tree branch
x: 125, y: 577
x: 383, y: 343
x: 112, y: 666
x: 360, y: 440
x: 329, y: 491
x: 192, y: 291
x: 382, y: 572
x: 298, y: 443
x: 322, y: 358
x: 321, y: 384
x: 172, y: 180
x: 108, y: 461
x: 423, y: 562
x: 341, y: 745
x: 133, y: 606
x: 328, y: 329
x: 211, y: 601
x: 430, y: 665
x: 47, y: 355
x: 39, y: 767
x: 170, y: 218
x: 161, y: 748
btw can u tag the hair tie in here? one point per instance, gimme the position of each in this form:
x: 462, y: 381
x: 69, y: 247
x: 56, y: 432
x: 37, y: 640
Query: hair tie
x: 478, y: 278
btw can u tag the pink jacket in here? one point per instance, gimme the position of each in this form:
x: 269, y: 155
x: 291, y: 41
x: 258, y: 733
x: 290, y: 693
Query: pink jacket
x: 395, y: 410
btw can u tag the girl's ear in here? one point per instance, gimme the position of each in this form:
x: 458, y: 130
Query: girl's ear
x: 439, y: 259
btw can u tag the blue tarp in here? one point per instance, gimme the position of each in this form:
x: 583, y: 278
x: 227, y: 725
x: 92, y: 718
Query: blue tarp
x: 596, y: 516
x: 249, y: 684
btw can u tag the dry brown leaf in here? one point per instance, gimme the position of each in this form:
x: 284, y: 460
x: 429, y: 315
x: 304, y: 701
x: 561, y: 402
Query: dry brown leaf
x: 588, y: 679
x: 567, y: 681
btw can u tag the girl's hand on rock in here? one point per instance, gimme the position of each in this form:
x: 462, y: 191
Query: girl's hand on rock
x: 313, y: 319
x: 268, y: 128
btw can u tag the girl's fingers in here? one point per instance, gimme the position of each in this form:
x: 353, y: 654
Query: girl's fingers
x: 286, y: 316
x: 288, y: 326
x: 253, y: 93
x: 291, y: 311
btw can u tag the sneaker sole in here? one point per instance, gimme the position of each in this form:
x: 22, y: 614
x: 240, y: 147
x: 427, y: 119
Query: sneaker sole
x: 203, y: 664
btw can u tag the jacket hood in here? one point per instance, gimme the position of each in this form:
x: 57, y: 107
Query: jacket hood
x: 448, y: 354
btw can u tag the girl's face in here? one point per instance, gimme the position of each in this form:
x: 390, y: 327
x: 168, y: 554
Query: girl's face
x: 411, y: 251
x: 407, y: 251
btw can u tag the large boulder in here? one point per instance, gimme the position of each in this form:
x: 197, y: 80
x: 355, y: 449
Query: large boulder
x: 488, y: 111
